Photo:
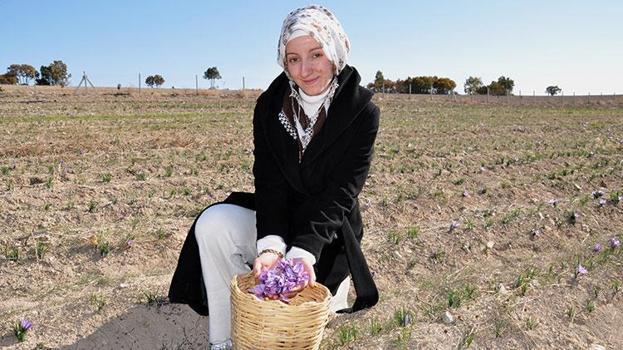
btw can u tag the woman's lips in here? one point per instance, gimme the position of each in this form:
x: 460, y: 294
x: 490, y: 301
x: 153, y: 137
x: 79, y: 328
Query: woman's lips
x: 310, y: 82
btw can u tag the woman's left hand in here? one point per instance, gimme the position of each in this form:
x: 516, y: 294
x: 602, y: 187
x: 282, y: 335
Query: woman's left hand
x: 309, y: 268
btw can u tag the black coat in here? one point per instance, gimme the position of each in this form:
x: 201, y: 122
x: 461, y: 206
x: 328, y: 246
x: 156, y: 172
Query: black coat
x: 313, y: 204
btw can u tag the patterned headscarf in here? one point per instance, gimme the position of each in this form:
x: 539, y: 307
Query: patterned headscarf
x: 322, y: 25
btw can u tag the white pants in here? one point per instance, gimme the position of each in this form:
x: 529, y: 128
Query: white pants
x: 226, y: 236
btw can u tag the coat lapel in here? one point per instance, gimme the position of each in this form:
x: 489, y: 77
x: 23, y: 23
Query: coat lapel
x: 282, y: 145
x: 348, y: 102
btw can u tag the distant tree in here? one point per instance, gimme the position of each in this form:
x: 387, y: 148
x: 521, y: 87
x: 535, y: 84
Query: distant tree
x: 8, y: 79
x: 553, y: 90
x: 503, y: 86
x: 149, y: 81
x: 154, y: 80
x: 472, y: 84
x: 158, y: 80
x: 420, y: 85
x: 496, y: 89
x: 443, y: 86
x: 212, y: 74
x: 42, y: 81
x: 402, y: 86
x: 390, y: 86
x: 23, y: 72
x: 379, y: 81
x: 483, y: 90
x: 54, y: 74
x: 507, y: 84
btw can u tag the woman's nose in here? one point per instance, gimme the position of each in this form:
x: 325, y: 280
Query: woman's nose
x: 306, y: 68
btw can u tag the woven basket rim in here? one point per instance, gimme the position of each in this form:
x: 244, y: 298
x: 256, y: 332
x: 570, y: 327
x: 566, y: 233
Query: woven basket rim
x: 254, y: 299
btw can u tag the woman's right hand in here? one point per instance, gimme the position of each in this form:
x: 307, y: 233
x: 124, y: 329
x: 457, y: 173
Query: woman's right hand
x: 264, y: 262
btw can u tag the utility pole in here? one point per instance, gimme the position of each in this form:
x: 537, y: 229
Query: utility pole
x: 84, y: 80
x: 196, y: 85
x: 243, y: 83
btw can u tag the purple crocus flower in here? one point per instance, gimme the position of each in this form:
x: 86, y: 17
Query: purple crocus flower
x: 454, y: 225
x: 25, y: 324
x: 280, y: 280
x: 553, y: 202
x: 597, y: 248
x: 581, y: 270
x: 602, y: 202
x: 597, y: 194
x: 614, y: 242
x: 465, y: 194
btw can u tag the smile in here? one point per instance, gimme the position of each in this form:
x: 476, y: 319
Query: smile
x: 309, y: 82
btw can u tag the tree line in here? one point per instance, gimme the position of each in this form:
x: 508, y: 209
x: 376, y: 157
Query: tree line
x: 53, y: 74
x: 56, y: 73
x: 416, y: 85
x: 444, y: 86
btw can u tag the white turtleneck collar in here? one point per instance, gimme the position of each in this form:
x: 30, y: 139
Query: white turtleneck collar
x: 311, y: 104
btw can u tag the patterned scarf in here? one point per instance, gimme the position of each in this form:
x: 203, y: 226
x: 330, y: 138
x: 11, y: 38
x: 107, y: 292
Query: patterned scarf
x: 298, y: 124
x: 322, y: 25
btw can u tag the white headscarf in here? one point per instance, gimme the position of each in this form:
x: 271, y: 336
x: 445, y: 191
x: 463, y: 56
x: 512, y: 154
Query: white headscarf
x: 318, y: 22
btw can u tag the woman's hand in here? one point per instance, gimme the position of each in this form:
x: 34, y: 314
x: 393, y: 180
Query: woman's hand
x: 309, y: 268
x: 264, y: 262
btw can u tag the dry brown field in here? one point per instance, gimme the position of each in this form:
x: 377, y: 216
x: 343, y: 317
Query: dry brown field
x: 483, y: 209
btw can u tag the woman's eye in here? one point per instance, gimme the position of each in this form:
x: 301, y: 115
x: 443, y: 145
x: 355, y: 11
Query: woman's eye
x: 293, y: 60
x: 317, y: 54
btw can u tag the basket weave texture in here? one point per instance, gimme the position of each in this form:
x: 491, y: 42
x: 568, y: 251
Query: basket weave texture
x: 273, y: 324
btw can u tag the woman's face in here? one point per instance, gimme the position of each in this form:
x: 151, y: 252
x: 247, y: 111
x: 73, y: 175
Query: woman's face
x: 307, y: 65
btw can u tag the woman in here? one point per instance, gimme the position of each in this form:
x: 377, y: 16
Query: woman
x: 314, y: 130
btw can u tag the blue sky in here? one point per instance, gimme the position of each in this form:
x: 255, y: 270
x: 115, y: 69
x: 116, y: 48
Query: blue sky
x: 577, y: 45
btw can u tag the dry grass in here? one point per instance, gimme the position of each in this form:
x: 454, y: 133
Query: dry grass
x: 97, y: 191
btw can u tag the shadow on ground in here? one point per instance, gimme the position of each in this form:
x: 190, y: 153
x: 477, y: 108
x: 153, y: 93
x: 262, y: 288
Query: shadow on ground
x: 168, y: 326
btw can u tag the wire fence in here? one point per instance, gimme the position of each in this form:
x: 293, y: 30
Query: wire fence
x: 513, y: 100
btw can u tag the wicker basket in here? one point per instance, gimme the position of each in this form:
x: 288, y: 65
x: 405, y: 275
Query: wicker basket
x: 272, y: 324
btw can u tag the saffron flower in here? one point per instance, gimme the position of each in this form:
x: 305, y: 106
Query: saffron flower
x: 602, y: 202
x: 21, y: 328
x: 26, y: 325
x: 465, y: 194
x: 454, y: 225
x: 614, y: 242
x: 280, y: 281
x: 553, y: 202
x: 597, y: 248
x: 597, y: 194
x: 581, y: 270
